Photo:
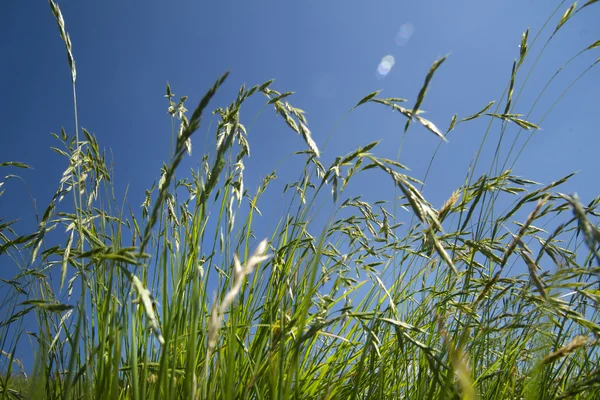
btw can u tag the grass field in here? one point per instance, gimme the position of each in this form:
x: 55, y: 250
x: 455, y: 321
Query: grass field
x: 469, y: 300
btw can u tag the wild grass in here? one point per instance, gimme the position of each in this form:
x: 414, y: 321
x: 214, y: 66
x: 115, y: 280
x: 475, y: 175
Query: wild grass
x: 184, y: 301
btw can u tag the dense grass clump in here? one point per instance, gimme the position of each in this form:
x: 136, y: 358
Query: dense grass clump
x: 183, y: 301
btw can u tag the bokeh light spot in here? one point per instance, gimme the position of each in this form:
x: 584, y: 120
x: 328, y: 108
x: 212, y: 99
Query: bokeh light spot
x: 404, y: 34
x: 385, y: 66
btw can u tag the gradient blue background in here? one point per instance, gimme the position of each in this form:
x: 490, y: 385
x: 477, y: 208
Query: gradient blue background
x: 327, y: 51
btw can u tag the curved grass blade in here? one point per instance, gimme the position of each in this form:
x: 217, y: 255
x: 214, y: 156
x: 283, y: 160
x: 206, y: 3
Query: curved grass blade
x: 436, y: 64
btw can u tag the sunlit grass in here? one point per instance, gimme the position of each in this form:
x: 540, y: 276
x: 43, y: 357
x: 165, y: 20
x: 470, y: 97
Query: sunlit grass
x: 184, y: 301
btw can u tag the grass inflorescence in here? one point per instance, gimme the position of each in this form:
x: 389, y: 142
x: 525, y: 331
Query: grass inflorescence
x: 184, y: 301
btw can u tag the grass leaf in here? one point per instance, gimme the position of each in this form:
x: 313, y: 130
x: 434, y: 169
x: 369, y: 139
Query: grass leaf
x: 479, y: 113
x: 436, y: 64
x: 48, y: 305
x: 594, y: 45
x: 14, y: 164
x: 367, y: 98
x: 567, y: 15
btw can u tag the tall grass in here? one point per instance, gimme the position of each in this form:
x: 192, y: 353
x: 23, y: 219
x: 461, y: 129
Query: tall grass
x: 184, y: 301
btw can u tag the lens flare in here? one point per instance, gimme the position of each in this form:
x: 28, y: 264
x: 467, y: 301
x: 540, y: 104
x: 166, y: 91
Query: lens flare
x: 404, y: 34
x: 385, y: 66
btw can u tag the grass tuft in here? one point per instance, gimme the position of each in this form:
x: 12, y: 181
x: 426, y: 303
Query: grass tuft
x: 362, y: 303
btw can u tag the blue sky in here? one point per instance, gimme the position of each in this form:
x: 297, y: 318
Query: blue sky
x: 326, y: 51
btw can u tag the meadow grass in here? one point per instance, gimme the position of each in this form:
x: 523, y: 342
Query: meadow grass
x: 184, y: 301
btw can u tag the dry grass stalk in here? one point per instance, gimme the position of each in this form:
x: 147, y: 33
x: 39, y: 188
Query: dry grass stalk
x: 145, y: 298
x: 577, y: 342
x: 239, y: 273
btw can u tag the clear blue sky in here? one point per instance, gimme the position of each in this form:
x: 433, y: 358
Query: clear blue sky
x: 326, y: 51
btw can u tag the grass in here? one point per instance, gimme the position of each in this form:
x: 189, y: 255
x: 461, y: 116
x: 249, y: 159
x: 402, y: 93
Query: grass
x: 183, y: 301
